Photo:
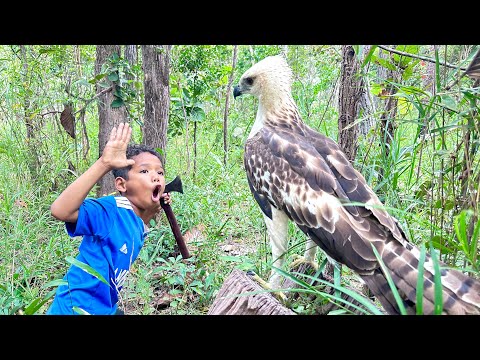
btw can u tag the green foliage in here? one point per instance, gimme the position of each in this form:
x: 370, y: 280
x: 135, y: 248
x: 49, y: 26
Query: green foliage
x: 426, y: 172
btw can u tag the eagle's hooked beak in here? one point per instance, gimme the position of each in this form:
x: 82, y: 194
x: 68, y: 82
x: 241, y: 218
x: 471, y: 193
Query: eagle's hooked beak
x: 236, y: 91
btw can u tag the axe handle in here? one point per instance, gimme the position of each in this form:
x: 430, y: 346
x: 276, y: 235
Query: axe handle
x: 182, y: 246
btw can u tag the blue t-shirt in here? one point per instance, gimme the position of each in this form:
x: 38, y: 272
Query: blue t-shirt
x: 112, y: 238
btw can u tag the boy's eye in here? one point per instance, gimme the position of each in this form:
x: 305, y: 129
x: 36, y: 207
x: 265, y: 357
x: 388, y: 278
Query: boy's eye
x: 143, y: 171
x: 161, y: 173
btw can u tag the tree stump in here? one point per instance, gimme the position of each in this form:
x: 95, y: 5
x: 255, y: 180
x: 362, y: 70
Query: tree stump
x: 233, y: 298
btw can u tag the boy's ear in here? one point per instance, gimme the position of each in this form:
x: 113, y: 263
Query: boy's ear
x: 120, y: 184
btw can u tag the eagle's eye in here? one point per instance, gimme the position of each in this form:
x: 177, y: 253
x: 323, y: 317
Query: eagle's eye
x: 249, y: 81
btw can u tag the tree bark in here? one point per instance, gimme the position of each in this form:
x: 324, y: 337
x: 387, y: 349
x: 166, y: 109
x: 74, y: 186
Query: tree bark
x: 366, y: 106
x: 156, y: 67
x: 108, y: 116
x: 234, y: 298
x: 33, y: 145
x: 387, y: 117
x: 350, y: 91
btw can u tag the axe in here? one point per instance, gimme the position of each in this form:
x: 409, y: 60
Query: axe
x: 175, y: 185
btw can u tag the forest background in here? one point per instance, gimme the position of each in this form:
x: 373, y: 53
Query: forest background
x: 405, y: 115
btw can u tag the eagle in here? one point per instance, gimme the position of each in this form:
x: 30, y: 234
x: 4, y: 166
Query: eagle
x: 297, y: 174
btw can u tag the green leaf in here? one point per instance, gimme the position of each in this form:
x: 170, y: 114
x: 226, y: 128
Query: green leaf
x: 460, y: 225
x: 83, y: 82
x: 117, y: 103
x: 56, y: 282
x: 386, y: 64
x: 80, y: 311
x: 198, y: 114
x: 448, y: 102
x: 369, y: 55
x: 97, y: 78
x: 38, y: 303
x: 474, y: 242
x: 114, y: 57
x: 438, y: 242
x: 421, y: 263
x: 113, y: 77
x: 438, y: 301
x: 87, y: 268
x: 403, y: 61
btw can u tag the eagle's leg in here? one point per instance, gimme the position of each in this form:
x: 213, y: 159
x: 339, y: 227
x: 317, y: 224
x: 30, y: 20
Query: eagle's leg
x: 277, y: 230
x: 308, y: 256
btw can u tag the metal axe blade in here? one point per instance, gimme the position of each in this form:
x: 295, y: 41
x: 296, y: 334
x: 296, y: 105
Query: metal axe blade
x: 174, y: 185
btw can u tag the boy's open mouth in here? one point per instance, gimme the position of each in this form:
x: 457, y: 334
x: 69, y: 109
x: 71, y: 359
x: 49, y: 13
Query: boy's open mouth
x: 156, y: 193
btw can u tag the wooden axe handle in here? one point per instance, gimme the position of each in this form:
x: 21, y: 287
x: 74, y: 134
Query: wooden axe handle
x: 175, y: 229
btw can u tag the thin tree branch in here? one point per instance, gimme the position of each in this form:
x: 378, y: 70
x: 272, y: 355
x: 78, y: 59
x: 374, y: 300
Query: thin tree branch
x: 93, y: 98
x: 420, y: 57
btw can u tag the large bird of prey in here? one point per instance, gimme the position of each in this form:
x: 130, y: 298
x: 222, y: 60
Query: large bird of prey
x: 298, y: 174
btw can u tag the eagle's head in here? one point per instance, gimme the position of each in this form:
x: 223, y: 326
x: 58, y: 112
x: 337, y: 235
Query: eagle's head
x: 269, y: 78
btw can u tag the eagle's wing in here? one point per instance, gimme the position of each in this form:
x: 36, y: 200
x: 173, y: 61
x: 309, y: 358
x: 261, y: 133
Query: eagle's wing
x: 310, y: 182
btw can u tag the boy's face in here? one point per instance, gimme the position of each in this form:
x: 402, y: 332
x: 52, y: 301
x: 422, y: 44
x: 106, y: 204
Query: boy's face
x: 145, y: 184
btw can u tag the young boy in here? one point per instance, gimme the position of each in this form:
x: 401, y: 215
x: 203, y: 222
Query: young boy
x: 113, y: 227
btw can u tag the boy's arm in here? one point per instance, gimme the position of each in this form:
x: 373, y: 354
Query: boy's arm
x: 65, y: 207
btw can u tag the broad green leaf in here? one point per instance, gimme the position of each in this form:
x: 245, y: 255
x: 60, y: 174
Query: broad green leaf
x: 117, y: 103
x: 460, y: 225
x: 198, y: 114
x: 113, y: 77
x: 403, y: 61
x: 386, y: 64
x: 97, y: 78
x: 83, y: 82
x: 449, y: 102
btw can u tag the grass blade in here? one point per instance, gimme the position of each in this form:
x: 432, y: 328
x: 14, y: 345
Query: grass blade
x: 399, y: 300
x: 421, y: 269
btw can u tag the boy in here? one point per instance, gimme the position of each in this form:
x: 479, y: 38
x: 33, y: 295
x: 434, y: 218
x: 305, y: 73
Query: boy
x: 113, y: 227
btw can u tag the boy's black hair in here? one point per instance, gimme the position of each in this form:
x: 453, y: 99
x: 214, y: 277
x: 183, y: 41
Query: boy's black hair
x: 134, y: 150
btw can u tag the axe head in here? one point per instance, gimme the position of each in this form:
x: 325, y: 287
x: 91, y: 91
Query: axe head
x: 174, y: 185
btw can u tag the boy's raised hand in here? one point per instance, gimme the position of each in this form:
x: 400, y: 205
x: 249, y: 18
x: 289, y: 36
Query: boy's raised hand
x: 114, y: 154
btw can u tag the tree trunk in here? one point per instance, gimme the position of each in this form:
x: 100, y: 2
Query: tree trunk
x: 259, y: 302
x: 366, y: 107
x: 350, y: 91
x: 156, y: 67
x: 131, y: 54
x: 33, y: 145
x: 108, y: 116
x: 387, y: 117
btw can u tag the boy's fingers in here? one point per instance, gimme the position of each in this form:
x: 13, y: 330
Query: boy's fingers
x: 113, y: 133
x: 128, y: 134
x: 125, y: 132
x: 120, y: 131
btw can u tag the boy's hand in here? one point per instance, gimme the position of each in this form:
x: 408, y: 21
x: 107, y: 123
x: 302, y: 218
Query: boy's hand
x: 166, y: 198
x: 114, y: 154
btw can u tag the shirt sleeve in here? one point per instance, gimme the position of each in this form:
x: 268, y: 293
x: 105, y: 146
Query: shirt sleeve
x: 95, y: 218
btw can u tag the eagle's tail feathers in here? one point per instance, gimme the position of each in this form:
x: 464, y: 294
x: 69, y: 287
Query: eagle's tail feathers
x: 378, y: 284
